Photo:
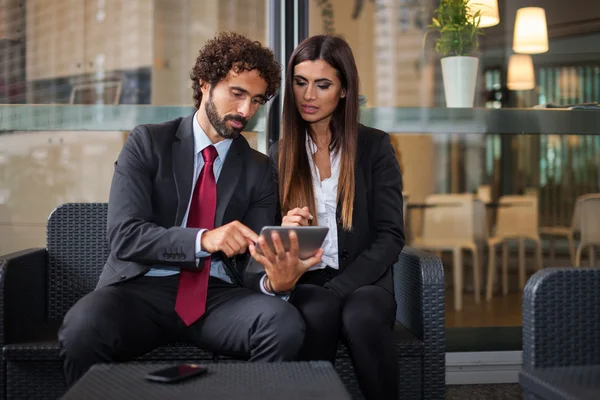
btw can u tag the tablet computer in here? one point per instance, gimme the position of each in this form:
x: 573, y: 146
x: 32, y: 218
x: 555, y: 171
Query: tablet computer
x: 310, y: 238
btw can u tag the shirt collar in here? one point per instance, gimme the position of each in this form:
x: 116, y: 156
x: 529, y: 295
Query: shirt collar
x: 201, y: 141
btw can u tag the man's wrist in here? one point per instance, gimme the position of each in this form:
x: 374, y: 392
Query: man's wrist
x: 200, y: 237
x: 263, y: 286
x: 269, y: 287
x: 200, y: 252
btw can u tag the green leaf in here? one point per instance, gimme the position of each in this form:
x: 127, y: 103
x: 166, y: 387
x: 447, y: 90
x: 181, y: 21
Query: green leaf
x: 458, y: 26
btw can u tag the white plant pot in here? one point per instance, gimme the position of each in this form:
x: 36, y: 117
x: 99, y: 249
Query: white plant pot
x: 460, y: 76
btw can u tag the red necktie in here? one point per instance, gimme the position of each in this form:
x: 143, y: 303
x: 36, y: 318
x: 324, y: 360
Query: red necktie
x: 193, y: 285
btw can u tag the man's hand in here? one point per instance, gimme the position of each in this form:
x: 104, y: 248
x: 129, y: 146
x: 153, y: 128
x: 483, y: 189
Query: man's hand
x: 297, y: 217
x: 283, y: 268
x: 232, y: 239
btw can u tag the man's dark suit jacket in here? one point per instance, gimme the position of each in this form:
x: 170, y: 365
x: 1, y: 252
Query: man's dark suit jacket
x: 367, y: 252
x: 149, y: 196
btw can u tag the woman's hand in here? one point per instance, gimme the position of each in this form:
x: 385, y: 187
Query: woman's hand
x: 297, y: 217
x: 283, y: 268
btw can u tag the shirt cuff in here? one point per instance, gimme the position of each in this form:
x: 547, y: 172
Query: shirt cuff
x: 262, y: 288
x: 199, y: 252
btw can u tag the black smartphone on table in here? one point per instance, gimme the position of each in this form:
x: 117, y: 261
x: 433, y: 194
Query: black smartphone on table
x: 176, y: 373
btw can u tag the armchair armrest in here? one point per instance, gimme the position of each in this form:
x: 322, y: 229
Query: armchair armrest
x: 419, y: 291
x: 22, y: 293
x: 561, y: 318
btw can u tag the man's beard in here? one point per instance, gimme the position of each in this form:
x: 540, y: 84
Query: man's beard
x: 220, y: 124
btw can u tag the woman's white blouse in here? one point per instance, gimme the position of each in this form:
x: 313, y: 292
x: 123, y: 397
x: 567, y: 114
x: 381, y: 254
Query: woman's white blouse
x: 326, y: 203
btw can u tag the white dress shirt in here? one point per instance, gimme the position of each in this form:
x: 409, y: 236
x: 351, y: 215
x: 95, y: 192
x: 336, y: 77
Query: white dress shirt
x: 326, y: 192
x: 326, y: 202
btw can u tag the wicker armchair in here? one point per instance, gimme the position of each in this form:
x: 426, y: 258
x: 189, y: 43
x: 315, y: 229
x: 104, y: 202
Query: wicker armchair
x: 561, y: 334
x: 38, y: 286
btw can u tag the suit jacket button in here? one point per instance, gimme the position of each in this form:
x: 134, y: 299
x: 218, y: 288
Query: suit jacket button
x: 344, y: 254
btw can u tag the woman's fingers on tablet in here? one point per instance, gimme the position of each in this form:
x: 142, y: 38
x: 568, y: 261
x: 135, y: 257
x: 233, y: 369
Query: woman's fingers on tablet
x: 304, y: 212
x: 289, y: 221
x: 295, y: 220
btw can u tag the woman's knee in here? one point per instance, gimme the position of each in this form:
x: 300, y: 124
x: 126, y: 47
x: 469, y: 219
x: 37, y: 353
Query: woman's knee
x: 317, y: 303
x: 367, y: 310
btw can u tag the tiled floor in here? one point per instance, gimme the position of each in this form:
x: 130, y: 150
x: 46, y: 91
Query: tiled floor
x: 484, y: 392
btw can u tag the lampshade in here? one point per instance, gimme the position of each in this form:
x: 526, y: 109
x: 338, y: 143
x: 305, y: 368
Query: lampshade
x: 531, y: 32
x: 520, y: 72
x: 489, y: 12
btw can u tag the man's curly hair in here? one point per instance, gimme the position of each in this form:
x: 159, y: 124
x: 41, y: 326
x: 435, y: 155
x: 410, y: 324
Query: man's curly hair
x: 230, y: 50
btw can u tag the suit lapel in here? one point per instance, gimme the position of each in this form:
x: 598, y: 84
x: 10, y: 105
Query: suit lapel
x: 226, y: 185
x: 228, y: 178
x: 183, y: 165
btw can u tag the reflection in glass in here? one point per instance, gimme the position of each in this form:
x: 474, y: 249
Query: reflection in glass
x: 441, y: 154
x: 520, y: 72
x: 531, y: 33
x: 148, y: 47
x: 490, y: 15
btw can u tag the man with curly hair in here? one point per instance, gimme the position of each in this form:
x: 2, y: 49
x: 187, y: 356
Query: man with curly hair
x: 186, y: 201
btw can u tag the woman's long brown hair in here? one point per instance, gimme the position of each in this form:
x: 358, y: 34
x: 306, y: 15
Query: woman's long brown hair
x: 295, y: 180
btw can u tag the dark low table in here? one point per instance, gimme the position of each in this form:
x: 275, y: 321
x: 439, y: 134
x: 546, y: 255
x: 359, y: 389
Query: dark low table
x: 562, y: 383
x: 260, y: 381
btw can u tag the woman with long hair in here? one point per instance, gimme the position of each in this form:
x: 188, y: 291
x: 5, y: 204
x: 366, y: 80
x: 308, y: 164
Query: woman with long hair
x: 335, y: 172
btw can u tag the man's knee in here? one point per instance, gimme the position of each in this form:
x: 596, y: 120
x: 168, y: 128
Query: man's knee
x: 82, y: 333
x: 289, y: 328
x: 75, y: 335
x: 283, y: 327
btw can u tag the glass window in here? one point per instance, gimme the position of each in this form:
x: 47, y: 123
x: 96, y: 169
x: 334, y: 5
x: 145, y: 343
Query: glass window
x: 504, y: 146
x: 77, y: 75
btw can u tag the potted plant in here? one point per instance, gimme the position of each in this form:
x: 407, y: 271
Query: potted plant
x: 458, y: 42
